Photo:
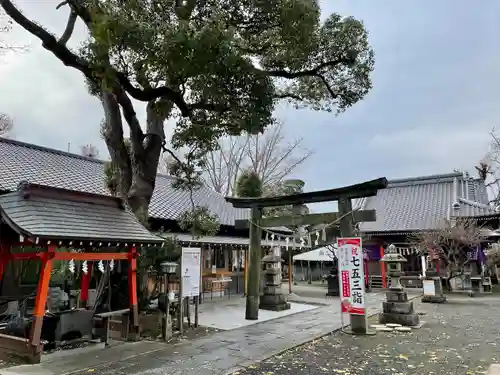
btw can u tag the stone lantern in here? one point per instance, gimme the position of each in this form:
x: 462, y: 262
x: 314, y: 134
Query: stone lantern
x: 397, y: 309
x: 166, y: 297
x: 169, y: 268
x: 272, y: 297
x: 393, y: 259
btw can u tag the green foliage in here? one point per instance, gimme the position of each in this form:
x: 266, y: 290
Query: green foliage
x: 111, y: 178
x: 216, y: 67
x: 152, y: 256
x: 249, y: 184
x: 188, y: 177
x: 199, y: 222
x: 230, y: 62
x: 281, y: 188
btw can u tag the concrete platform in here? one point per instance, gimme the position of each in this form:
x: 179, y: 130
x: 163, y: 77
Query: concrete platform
x: 221, y: 353
x: 494, y: 370
x: 231, y: 315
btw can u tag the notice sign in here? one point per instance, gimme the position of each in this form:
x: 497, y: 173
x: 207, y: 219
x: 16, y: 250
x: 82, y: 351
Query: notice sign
x: 191, y: 271
x: 351, y: 275
x: 429, y: 288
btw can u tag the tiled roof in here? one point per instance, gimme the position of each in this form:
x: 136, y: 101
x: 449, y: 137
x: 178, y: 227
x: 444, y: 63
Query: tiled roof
x: 58, y: 214
x: 421, y: 203
x: 39, y: 165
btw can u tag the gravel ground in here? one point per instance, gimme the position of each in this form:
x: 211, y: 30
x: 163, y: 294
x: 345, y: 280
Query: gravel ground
x: 459, y: 337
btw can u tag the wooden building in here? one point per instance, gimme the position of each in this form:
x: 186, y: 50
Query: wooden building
x: 417, y: 204
x: 223, y: 255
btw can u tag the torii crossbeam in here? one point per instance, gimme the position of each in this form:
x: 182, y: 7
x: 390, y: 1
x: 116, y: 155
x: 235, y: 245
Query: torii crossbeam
x: 343, y: 195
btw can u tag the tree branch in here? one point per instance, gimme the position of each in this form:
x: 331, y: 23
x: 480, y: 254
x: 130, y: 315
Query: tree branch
x: 136, y: 133
x: 68, y: 58
x: 314, y: 72
x: 308, y: 72
x: 70, y: 24
x: 113, y: 135
x: 49, y: 42
x: 285, y: 95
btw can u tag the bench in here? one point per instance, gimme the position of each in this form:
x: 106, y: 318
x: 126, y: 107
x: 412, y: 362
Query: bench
x: 114, y: 329
x: 224, y: 283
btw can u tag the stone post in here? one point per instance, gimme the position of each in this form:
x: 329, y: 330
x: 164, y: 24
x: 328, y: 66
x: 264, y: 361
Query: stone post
x: 333, y: 282
x: 433, y: 287
x: 397, y: 309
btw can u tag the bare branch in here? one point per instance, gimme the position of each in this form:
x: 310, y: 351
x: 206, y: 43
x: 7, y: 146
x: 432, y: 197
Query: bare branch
x: 68, y: 58
x: 450, y: 242
x: 268, y: 154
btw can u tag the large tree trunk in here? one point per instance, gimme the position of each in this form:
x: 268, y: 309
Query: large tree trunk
x: 143, y: 179
x: 136, y: 163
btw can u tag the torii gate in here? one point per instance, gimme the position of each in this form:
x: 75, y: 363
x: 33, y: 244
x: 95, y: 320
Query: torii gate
x: 345, y: 215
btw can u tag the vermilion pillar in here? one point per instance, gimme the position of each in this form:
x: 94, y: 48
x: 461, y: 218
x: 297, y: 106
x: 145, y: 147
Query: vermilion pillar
x: 84, y: 287
x: 132, y: 289
x: 41, y: 295
x: 382, y: 268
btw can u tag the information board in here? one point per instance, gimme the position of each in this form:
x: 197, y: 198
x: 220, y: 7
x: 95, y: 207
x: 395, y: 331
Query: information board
x: 191, y: 271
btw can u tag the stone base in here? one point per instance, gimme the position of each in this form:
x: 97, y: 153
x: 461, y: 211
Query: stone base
x: 273, y: 302
x: 368, y: 332
x: 396, y: 296
x: 333, y: 293
x: 434, y: 299
x: 409, y: 320
x: 398, y: 307
x: 280, y: 307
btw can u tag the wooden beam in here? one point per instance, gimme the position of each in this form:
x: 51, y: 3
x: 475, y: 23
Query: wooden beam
x: 90, y: 256
x: 361, y: 190
x: 312, y: 219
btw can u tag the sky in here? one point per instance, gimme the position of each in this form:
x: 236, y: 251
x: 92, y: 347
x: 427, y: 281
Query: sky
x: 435, y: 95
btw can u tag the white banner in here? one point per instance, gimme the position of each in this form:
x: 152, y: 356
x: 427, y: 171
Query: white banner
x: 191, y: 271
x: 351, y: 275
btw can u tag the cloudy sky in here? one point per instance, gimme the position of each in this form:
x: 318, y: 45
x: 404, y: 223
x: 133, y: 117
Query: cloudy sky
x: 435, y: 98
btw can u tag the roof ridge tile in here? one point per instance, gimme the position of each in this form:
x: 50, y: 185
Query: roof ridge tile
x: 49, y: 150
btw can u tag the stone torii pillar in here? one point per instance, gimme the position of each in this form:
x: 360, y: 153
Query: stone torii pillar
x: 346, y: 217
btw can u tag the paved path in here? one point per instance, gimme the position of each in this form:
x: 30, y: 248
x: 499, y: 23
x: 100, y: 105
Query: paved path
x: 461, y: 337
x: 220, y: 353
